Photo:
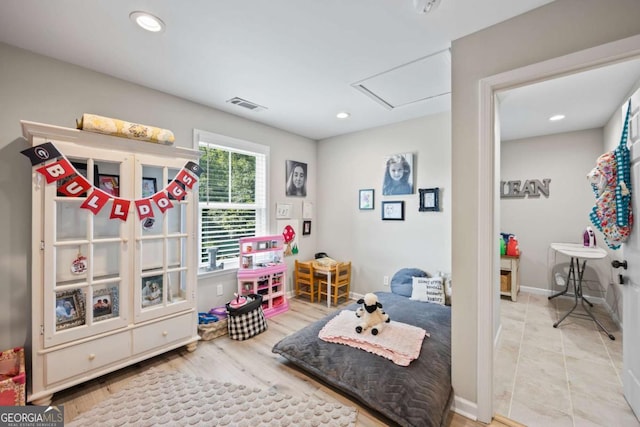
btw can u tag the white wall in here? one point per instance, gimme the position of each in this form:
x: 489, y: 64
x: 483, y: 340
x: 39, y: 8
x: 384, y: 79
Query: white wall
x: 379, y: 248
x: 566, y: 159
x: 553, y: 30
x: 36, y: 88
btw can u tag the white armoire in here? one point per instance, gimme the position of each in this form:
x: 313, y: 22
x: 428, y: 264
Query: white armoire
x: 108, y: 292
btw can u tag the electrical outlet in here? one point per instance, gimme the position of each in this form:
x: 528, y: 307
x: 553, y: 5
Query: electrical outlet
x: 220, y: 290
x: 385, y: 280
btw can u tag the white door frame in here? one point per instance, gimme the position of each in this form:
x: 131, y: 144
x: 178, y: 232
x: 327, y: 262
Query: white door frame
x: 488, y: 195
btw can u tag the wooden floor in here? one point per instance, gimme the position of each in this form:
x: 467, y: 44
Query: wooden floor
x: 249, y: 362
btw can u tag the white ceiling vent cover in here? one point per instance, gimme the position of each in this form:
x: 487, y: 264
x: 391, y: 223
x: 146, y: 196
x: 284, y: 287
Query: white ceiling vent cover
x: 419, y: 80
x: 246, y: 104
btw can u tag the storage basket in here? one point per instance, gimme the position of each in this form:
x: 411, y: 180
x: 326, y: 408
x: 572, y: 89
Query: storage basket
x: 248, y: 320
x: 12, y: 377
x: 505, y: 281
x: 213, y: 330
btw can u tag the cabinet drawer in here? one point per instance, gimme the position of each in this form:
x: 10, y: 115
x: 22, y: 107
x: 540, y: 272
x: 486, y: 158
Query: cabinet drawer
x: 505, y: 264
x: 85, y: 357
x: 164, y: 332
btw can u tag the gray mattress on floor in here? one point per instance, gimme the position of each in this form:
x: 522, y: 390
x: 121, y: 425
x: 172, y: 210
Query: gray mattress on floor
x: 416, y: 395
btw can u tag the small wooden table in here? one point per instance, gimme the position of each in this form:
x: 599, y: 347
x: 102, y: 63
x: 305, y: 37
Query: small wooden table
x: 327, y: 271
x: 512, y: 265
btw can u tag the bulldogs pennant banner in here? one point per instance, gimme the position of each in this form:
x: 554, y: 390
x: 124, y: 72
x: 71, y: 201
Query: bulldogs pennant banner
x: 55, y: 167
x: 41, y: 153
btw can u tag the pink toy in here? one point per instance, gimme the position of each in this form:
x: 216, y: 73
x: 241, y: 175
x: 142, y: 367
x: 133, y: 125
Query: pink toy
x: 239, y: 301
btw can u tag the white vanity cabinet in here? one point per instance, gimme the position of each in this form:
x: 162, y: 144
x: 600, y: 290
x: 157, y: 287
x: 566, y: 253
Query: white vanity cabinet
x: 108, y: 292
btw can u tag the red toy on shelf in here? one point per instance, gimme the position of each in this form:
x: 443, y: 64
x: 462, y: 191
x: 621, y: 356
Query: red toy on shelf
x: 512, y: 246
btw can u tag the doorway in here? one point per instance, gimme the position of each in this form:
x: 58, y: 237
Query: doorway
x: 488, y: 298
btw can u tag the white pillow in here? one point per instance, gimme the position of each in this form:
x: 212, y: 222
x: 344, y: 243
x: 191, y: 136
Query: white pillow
x: 428, y: 289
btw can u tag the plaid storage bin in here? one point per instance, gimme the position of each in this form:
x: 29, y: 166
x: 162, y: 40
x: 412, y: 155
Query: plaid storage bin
x: 12, y: 377
x: 246, y: 321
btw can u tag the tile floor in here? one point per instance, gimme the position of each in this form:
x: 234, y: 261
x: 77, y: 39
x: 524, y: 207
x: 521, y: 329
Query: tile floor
x: 566, y: 376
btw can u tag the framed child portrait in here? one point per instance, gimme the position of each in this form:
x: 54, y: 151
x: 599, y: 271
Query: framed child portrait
x: 398, y: 175
x: 296, y: 176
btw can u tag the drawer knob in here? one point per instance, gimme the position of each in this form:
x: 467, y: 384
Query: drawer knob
x: 165, y: 333
x: 92, y: 356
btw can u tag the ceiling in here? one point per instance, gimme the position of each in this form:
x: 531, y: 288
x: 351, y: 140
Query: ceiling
x: 587, y: 100
x: 302, y: 60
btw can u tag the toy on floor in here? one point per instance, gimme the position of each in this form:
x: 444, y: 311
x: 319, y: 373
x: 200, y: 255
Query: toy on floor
x: 371, y: 314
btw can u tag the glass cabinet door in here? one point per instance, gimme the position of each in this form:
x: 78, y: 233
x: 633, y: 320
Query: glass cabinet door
x: 162, y: 259
x: 85, y: 256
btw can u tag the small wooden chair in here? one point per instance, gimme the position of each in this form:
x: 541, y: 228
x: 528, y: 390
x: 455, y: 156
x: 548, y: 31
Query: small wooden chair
x: 305, y: 282
x: 340, y: 282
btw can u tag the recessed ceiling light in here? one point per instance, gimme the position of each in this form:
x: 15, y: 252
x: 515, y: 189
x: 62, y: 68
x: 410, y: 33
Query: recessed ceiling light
x: 556, y: 117
x: 147, y: 21
x: 343, y: 115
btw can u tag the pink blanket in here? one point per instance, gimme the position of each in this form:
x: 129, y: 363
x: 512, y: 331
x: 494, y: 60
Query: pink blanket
x: 396, y: 341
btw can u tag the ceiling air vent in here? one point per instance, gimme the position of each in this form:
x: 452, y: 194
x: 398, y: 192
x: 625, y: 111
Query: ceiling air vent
x: 246, y: 104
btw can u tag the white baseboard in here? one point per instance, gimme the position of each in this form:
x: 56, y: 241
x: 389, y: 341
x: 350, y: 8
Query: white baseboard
x: 547, y: 292
x: 465, y: 408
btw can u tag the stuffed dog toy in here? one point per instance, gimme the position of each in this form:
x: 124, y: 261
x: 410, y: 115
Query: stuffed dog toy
x: 371, y: 314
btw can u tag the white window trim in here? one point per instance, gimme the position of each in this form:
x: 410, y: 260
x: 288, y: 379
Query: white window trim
x: 238, y: 145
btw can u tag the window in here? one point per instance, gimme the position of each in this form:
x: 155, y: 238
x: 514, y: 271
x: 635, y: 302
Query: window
x: 233, y: 197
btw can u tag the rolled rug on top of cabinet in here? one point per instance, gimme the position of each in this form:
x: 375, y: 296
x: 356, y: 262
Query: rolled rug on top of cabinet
x: 121, y: 128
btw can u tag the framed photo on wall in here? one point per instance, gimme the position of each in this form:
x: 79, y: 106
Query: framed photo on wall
x: 429, y: 199
x: 393, y: 211
x: 283, y: 210
x: 296, y: 179
x: 366, y: 201
x: 306, y: 228
x: 398, y: 175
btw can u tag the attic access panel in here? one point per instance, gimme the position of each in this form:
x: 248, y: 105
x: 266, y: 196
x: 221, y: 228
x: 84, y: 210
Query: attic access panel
x: 418, y: 80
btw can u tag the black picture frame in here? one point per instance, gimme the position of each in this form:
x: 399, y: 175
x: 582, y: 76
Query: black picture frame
x: 429, y: 199
x: 82, y: 169
x: 393, y: 210
x: 149, y: 187
x: 306, y: 228
x: 366, y: 199
x: 110, y: 184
